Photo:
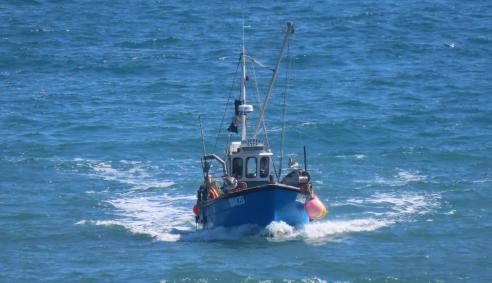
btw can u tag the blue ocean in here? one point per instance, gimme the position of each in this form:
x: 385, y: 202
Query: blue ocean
x: 100, y: 139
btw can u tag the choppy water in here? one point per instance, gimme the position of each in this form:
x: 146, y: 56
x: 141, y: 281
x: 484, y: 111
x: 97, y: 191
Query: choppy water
x: 100, y: 148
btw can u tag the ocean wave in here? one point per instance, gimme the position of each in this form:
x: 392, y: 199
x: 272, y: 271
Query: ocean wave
x: 401, y: 178
x: 169, y: 218
x: 137, y: 230
x: 162, y: 217
x: 354, y: 156
x: 396, y: 208
x: 315, y: 232
x: 398, y: 205
x: 323, y: 230
x: 133, y: 173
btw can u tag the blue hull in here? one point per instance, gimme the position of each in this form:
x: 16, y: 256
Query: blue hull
x: 258, y: 206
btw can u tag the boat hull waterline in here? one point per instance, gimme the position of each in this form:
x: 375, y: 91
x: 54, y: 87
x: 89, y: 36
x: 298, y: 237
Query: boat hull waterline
x: 258, y: 206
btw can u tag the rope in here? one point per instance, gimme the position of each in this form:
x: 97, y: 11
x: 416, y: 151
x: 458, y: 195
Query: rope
x: 225, y: 108
x: 263, y: 121
x: 284, y: 111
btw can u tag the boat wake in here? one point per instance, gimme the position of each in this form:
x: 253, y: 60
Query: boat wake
x: 166, y: 215
x: 164, y: 219
x: 396, y: 208
x: 136, y: 174
x: 321, y: 232
x: 160, y: 217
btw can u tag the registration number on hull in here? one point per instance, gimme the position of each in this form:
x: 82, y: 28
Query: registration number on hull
x: 301, y: 198
x: 237, y: 201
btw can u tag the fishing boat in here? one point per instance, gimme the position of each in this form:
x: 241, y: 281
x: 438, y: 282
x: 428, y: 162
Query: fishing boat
x: 248, y: 193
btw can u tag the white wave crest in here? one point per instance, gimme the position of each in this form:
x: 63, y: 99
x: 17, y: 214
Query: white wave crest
x: 133, y: 173
x: 317, y: 230
x: 409, y: 176
x: 168, y: 217
x: 386, y: 208
x: 160, y: 217
x: 399, y: 205
x: 280, y: 231
x: 401, y: 178
x: 323, y: 230
x: 354, y: 156
x: 159, y: 235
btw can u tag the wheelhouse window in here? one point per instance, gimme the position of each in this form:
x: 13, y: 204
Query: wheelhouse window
x: 251, y: 167
x: 237, y: 168
x: 264, y: 167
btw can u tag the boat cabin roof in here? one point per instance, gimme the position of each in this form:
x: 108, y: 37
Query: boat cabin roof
x: 248, y: 147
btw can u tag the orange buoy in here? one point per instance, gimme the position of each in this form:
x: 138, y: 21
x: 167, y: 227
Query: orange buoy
x: 315, y: 208
x: 195, y: 209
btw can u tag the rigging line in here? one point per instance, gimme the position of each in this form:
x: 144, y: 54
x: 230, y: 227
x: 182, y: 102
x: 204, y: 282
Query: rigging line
x: 258, y: 101
x: 254, y: 60
x: 225, y: 108
x: 258, y: 104
x: 284, y: 111
x: 263, y: 122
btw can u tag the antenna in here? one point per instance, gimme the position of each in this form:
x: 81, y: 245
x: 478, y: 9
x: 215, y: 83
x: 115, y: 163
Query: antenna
x: 243, y: 31
x: 244, y: 109
x: 305, y: 159
x: 202, y: 134
x: 205, y: 163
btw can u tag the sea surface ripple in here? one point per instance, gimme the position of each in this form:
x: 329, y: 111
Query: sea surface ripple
x: 100, y: 143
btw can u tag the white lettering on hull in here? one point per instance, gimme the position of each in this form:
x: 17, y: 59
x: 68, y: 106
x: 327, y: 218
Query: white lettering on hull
x: 237, y: 201
x: 301, y: 198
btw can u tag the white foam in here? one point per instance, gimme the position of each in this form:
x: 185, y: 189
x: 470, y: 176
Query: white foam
x: 163, y: 217
x: 451, y: 212
x: 309, y: 123
x: 160, y: 217
x: 316, y: 280
x: 323, y: 230
x: 399, y: 205
x: 168, y: 217
x: 386, y: 209
x: 133, y: 173
x: 401, y: 178
x: 481, y: 181
x: 162, y: 236
x: 409, y: 176
x: 354, y: 156
x: 156, y: 216
x: 279, y: 231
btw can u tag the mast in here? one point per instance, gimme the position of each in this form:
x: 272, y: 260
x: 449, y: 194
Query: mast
x: 290, y: 29
x: 244, y: 109
x: 243, y: 89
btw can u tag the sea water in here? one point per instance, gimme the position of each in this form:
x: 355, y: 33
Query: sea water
x: 100, y: 143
